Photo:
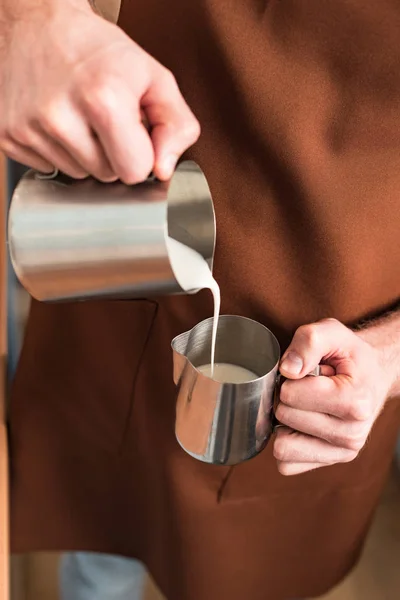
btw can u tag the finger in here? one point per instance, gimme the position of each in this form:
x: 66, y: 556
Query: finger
x: 328, y: 395
x: 67, y: 127
x: 317, y: 394
x: 53, y: 153
x: 296, y: 447
x: 174, y: 128
x: 327, y: 340
x: 117, y: 122
x: 343, y: 434
x: 326, y: 370
x: 290, y: 468
x: 26, y: 156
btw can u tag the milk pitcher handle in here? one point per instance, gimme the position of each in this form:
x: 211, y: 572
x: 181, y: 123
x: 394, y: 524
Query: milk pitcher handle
x: 55, y: 173
x: 279, y: 381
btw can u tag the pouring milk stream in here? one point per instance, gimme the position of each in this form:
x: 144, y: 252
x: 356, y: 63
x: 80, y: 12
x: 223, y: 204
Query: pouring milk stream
x: 192, y: 272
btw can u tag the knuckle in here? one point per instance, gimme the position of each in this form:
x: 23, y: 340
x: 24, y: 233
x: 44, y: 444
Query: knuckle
x: 101, y: 100
x: 50, y: 116
x: 190, y: 130
x: 168, y: 78
x: 331, y: 321
x: 359, y: 410
x: 185, y: 129
x: 50, y: 125
x: 308, y: 334
x: 355, y: 440
x: 354, y: 443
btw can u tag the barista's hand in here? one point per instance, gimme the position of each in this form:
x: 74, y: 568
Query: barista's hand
x: 333, y: 414
x: 72, y: 87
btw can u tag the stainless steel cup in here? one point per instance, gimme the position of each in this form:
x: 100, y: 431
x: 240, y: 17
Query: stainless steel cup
x: 226, y: 423
x: 73, y: 239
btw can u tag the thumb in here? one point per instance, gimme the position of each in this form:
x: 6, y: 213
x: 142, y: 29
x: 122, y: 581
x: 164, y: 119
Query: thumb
x: 327, y: 340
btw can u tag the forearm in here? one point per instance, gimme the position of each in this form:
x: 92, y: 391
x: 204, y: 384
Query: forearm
x: 384, y: 335
x: 16, y: 10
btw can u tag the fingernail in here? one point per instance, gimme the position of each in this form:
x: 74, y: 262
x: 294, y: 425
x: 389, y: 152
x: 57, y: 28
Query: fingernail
x: 292, y: 363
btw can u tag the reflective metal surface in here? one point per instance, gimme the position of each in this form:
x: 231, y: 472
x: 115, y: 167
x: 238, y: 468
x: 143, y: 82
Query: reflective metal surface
x: 85, y: 239
x: 224, y: 423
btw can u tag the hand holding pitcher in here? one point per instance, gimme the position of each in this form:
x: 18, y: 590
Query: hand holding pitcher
x: 77, y: 105
x: 329, y: 418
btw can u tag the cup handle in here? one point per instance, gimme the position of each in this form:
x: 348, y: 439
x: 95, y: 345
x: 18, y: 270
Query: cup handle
x: 279, y: 381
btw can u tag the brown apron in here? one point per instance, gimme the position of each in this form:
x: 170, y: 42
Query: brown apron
x: 300, y: 108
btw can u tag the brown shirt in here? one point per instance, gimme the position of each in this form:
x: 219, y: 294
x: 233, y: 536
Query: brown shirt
x: 300, y: 108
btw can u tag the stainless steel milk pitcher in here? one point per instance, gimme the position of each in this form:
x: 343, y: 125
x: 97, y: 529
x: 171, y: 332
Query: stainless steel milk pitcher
x: 85, y: 239
x: 226, y: 423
